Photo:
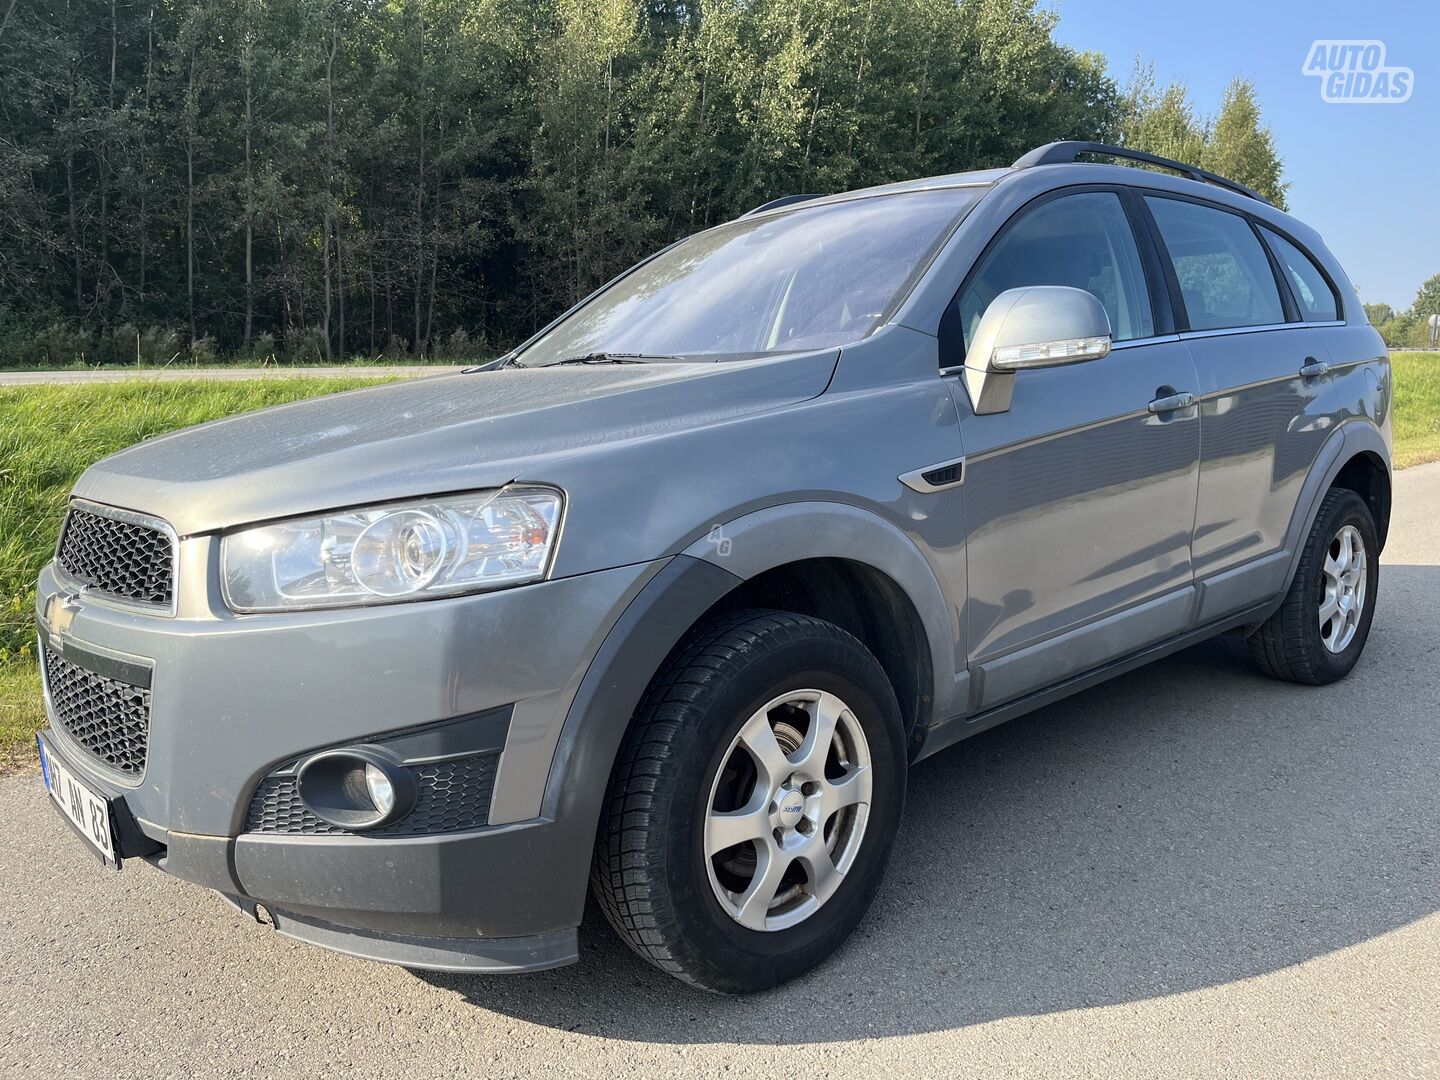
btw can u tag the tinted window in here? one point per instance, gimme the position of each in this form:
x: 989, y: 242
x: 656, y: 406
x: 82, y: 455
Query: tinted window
x: 810, y: 278
x: 1312, y: 291
x: 1083, y: 241
x: 1225, y: 278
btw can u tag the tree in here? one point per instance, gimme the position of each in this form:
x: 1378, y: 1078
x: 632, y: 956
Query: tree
x: 1162, y: 121
x: 1427, y: 298
x: 1379, y: 314
x: 1241, y: 148
x: 306, y: 178
x: 1234, y: 144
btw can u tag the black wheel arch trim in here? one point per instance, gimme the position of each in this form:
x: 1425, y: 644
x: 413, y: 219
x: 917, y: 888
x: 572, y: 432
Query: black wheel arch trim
x: 1350, y: 440
x: 600, y: 712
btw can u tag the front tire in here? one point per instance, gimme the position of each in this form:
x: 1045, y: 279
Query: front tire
x: 754, y: 802
x: 1320, y: 629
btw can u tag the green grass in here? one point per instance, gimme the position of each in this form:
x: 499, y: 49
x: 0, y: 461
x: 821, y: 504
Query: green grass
x: 1417, y: 407
x: 48, y: 435
x: 267, y: 365
x: 21, y: 713
x: 270, y: 365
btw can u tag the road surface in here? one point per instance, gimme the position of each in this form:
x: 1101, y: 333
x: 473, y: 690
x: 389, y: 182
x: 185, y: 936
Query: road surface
x: 1189, y: 871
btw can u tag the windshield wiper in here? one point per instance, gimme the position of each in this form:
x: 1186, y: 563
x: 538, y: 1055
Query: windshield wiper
x: 612, y: 358
x: 491, y: 365
x: 511, y: 361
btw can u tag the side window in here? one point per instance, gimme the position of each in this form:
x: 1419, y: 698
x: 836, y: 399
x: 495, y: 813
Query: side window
x: 1083, y: 241
x: 1312, y: 292
x: 1225, y: 277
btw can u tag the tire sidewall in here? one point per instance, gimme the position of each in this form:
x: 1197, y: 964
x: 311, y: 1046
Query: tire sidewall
x: 848, y: 671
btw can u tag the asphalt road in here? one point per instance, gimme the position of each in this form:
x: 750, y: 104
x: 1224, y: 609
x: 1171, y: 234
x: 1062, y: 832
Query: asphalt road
x: 223, y: 374
x: 1189, y: 871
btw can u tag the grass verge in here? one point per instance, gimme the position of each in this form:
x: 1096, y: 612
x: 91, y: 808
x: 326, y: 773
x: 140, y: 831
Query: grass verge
x: 21, y: 715
x: 1417, y: 407
x: 360, y: 362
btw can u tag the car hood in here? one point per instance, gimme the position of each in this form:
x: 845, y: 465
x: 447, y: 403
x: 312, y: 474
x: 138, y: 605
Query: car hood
x: 429, y: 436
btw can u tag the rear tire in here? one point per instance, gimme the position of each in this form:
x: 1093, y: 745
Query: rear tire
x: 768, y: 754
x: 1320, y: 629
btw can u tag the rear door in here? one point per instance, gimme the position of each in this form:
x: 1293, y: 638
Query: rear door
x: 1080, y: 499
x: 1266, y: 398
x: 1355, y: 353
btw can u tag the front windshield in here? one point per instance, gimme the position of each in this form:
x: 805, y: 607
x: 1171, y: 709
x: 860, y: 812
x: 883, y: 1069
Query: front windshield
x: 811, y: 278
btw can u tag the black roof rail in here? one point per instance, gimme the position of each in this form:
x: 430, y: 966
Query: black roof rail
x: 775, y: 204
x: 1063, y: 153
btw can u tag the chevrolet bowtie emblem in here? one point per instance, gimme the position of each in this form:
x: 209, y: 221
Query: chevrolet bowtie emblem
x: 60, y: 612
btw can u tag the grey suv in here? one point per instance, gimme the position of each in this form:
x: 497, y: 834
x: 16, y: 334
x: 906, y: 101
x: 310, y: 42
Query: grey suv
x: 661, y: 606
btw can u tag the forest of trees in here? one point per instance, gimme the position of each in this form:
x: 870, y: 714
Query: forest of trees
x: 315, y: 179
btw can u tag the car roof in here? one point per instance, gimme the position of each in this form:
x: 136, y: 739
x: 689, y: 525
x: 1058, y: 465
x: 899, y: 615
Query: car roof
x: 975, y: 178
x: 1048, y: 176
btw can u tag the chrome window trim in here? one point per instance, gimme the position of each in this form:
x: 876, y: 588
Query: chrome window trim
x: 1131, y: 343
x: 1226, y: 331
x: 1184, y: 335
x: 129, y: 517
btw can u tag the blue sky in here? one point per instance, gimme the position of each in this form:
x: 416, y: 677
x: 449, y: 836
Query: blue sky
x: 1366, y: 176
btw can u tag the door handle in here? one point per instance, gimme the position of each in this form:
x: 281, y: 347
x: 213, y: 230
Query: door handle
x: 1313, y: 369
x: 1171, y: 403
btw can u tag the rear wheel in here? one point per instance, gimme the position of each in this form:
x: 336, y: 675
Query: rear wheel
x: 1320, y: 629
x: 754, y: 802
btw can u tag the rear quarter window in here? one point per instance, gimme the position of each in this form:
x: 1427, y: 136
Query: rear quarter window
x: 1312, y: 291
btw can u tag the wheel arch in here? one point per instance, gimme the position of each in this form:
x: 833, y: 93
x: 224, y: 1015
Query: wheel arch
x: 1365, y: 474
x: 789, y: 557
x: 864, y: 602
x: 849, y: 566
x: 1355, y: 457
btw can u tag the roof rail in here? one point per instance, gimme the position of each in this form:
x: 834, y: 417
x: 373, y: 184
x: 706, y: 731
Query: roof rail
x: 775, y: 204
x: 1059, y: 153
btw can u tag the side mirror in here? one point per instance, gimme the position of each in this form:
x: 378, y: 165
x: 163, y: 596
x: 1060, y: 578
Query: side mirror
x: 1032, y: 327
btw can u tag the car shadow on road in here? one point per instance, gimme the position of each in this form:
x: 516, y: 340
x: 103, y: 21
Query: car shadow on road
x: 1185, y: 826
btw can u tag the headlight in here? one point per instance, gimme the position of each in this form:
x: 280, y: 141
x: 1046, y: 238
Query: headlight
x: 403, y: 551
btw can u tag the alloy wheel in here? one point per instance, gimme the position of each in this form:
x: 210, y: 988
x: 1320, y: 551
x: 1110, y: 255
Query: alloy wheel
x: 787, y: 810
x: 1342, y: 597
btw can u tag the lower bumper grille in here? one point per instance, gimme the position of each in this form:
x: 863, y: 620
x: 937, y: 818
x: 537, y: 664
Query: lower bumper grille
x: 110, y: 719
x: 452, y: 796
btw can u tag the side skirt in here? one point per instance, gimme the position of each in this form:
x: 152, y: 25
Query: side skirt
x: 947, y: 733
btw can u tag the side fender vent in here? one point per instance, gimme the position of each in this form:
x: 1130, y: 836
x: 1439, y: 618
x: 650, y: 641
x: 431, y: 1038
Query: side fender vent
x: 938, y: 477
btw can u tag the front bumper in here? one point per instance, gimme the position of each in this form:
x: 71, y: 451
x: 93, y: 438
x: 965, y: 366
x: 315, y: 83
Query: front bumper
x: 235, y: 697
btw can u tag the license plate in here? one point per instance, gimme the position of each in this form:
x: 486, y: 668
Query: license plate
x: 87, y: 811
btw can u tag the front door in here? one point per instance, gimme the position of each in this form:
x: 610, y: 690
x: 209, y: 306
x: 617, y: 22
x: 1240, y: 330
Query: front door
x: 1080, y: 499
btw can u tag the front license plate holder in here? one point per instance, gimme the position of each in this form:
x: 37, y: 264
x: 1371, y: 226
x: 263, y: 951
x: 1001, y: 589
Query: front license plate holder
x: 84, y: 809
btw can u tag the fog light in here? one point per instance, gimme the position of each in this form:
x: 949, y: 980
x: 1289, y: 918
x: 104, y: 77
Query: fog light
x: 357, y: 788
x: 382, y: 792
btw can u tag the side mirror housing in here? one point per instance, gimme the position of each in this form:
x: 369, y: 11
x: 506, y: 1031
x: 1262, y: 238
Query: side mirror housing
x: 1032, y: 327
